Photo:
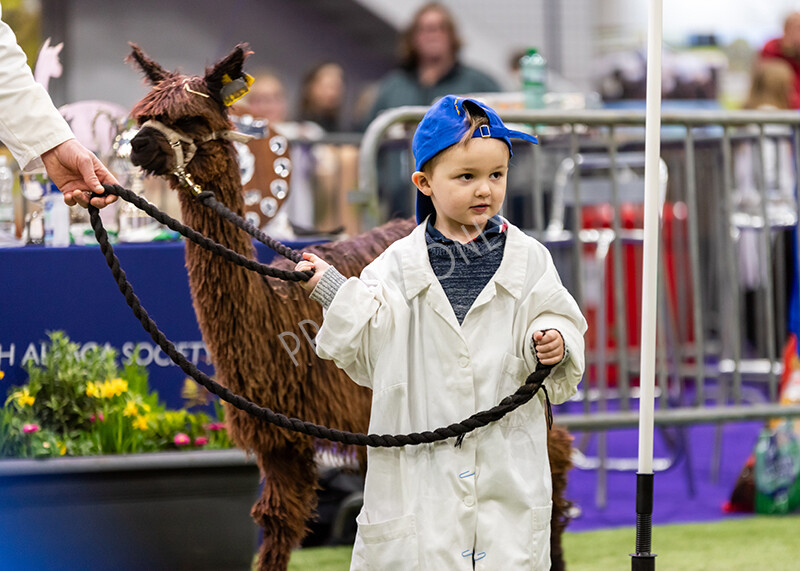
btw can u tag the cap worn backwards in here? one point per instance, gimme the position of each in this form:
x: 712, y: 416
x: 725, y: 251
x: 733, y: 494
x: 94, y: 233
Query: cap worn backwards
x: 444, y: 125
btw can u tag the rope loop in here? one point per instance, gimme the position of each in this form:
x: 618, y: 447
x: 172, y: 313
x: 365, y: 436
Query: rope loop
x: 523, y: 394
x: 208, y: 199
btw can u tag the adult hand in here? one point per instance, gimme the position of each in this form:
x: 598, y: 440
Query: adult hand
x: 312, y: 262
x: 549, y: 346
x: 77, y: 173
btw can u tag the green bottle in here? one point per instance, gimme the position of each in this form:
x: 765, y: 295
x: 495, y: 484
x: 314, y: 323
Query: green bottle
x: 533, y: 69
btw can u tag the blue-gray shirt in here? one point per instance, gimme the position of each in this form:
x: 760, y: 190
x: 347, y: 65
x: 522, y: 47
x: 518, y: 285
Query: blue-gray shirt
x: 465, y: 269
x: 462, y: 269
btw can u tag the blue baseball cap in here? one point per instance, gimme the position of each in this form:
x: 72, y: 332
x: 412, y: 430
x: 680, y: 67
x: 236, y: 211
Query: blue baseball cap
x: 444, y: 125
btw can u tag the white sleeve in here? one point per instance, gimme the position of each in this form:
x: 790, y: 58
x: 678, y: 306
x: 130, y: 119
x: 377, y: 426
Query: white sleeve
x: 356, y: 326
x: 558, y: 310
x: 29, y: 122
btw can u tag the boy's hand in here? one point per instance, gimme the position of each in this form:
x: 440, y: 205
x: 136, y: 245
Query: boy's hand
x: 549, y: 346
x: 312, y: 262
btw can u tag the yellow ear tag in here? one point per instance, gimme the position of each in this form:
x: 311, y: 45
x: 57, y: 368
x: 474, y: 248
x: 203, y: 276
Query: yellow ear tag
x: 234, y: 89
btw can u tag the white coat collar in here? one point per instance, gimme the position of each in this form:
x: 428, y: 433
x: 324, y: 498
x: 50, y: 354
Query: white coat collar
x: 418, y: 273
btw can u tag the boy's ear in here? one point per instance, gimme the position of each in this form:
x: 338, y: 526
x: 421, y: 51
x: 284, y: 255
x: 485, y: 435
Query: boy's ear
x: 421, y: 181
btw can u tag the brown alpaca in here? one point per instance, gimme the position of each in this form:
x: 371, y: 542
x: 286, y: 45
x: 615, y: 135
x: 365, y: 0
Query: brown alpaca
x: 242, y: 314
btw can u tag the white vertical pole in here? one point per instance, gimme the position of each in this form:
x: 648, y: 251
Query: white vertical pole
x: 652, y: 151
x: 644, y: 559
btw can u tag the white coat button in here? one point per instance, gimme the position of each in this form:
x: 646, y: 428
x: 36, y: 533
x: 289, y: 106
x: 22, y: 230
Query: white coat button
x: 463, y: 362
x: 469, y: 501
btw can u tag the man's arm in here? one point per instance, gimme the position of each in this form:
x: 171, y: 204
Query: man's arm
x: 36, y: 134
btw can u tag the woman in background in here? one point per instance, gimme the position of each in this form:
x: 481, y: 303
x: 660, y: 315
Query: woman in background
x: 335, y: 165
x: 322, y: 96
x: 429, y: 68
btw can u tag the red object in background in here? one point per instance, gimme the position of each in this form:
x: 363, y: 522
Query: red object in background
x: 743, y: 495
x: 675, y: 264
x: 791, y: 370
x: 789, y: 389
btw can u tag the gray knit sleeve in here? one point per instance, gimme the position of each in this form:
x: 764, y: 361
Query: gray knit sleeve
x: 327, y: 286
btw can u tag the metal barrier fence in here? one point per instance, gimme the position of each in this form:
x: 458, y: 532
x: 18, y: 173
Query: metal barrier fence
x: 726, y: 239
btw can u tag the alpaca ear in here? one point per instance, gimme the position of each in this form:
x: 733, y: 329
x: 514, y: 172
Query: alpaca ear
x: 226, y: 80
x: 152, y: 70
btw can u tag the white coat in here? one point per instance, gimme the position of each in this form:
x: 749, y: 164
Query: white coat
x: 437, y: 506
x: 29, y: 123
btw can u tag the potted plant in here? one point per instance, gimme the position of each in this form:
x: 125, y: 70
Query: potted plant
x: 96, y: 473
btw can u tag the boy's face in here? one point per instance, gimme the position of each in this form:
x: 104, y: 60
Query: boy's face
x: 467, y: 186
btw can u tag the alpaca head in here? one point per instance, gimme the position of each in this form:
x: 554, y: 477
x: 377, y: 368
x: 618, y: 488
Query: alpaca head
x: 183, y: 116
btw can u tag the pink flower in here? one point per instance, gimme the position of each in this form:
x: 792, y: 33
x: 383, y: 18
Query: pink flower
x: 216, y: 426
x: 29, y: 428
x: 181, y: 439
x: 99, y: 417
x: 200, y: 441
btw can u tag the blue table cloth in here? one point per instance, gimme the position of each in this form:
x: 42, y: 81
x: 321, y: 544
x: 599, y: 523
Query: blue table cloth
x: 71, y: 289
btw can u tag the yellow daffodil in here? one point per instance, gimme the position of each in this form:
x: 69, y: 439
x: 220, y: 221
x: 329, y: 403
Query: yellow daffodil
x: 106, y: 390
x: 62, y: 448
x: 113, y: 388
x: 119, y: 385
x: 24, y: 398
x: 2, y: 374
x: 92, y: 389
x: 140, y: 422
x: 130, y: 409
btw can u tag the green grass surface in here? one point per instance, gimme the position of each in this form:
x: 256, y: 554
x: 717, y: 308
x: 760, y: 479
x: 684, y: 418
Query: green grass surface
x: 746, y: 544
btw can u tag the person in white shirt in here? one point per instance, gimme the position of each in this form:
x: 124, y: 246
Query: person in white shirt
x: 36, y: 134
x: 446, y: 322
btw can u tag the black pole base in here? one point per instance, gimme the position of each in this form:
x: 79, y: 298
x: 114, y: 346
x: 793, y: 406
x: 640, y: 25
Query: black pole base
x: 643, y: 561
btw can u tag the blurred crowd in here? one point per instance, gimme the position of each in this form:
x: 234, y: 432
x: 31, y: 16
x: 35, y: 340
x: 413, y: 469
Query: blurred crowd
x: 428, y: 66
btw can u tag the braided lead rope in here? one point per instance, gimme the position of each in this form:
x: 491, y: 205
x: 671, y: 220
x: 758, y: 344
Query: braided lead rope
x: 522, y: 395
x: 207, y: 198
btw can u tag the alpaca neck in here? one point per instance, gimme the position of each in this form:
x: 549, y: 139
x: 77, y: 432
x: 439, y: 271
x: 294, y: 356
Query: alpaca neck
x: 227, y: 298
x: 218, y: 174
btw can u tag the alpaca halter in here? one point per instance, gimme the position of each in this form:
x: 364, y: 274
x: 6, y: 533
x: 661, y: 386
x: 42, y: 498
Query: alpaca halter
x: 175, y: 139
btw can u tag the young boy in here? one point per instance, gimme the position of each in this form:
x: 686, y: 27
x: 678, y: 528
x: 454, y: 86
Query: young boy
x: 446, y: 322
